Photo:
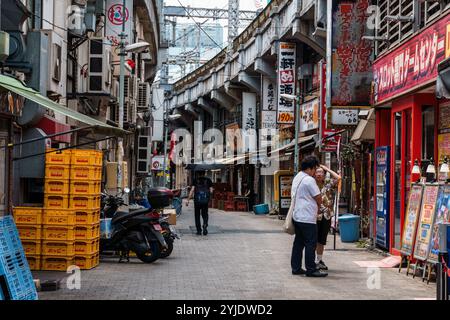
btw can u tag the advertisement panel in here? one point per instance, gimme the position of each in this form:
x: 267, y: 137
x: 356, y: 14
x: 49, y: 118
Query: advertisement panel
x: 442, y: 216
x: 115, y: 18
x: 285, y: 193
x: 383, y: 165
x: 309, y: 115
x: 411, y: 219
x: 286, y: 82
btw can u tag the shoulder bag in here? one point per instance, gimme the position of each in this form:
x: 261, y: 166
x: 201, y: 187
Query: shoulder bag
x: 289, y: 226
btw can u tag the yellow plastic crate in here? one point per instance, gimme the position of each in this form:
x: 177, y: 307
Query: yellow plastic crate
x: 32, y: 247
x: 34, y: 262
x: 59, y: 217
x: 87, y: 247
x: 57, y: 171
x: 85, y: 187
x: 56, y: 187
x: 52, y: 263
x: 58, y: 157
x: 87, y: 262
x: 28, y: 232
x: 28, y: 215
x: 58, y: 233
x: 87, y: 157
x: 85, y: 202
x: 58, y: 248
x: 56, y: 202
x: 87, y: 217
x: 85, y: 173
x: 87, y: 232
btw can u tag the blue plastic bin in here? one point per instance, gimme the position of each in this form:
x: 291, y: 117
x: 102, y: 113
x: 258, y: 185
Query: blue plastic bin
x: 261, y: 209
x: 349, y: 227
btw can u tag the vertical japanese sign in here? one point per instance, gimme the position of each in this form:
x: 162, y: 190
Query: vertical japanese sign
x: 286, y: 82
x: 352, y: 55
x: 115, y: 19
x: 412, y: 216
x: 426, y: 222
x: 269, y: 104
x: 249, y: 121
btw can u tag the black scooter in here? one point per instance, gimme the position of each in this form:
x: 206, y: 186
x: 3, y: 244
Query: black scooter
x: 132, y: 231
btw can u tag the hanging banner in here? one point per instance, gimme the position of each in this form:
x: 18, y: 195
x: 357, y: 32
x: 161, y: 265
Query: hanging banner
x: 286, y: 82
x: 411, y: 219
x: 426, y: 222
x: 269, y: 105
x: 115, y: 19
x: 309, y: 115
x: 351, y: 55
x: 249, y: 121
x: 442, y: 216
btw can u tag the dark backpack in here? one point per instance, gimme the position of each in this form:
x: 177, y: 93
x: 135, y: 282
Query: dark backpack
x: 202, y: 194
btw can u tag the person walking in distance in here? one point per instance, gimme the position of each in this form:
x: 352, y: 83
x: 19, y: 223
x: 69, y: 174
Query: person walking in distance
x: 308, y: 200
x: 201, y: 192
x: 328, y: 186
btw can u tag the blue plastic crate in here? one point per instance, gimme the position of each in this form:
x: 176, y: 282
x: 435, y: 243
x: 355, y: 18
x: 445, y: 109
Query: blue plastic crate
x: 9, y: 235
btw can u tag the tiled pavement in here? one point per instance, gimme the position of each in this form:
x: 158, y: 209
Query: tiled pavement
x: 244, y: 257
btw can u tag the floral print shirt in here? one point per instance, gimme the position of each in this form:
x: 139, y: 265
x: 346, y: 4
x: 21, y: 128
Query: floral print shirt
x: 328, y: 196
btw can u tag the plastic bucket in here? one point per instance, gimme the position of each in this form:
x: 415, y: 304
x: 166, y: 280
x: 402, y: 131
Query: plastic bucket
x: 261, y: 209
x: 349, y: 227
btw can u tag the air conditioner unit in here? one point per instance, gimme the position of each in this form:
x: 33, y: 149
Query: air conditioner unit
x: 99, y: 75
x: 144, y: 155
x: 126, y: 112
x: 143, y: 98
x: 57, y: 65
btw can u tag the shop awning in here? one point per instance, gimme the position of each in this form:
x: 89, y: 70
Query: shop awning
x: 16, y: 86
x: 301, y: 141
x: 366, y: 128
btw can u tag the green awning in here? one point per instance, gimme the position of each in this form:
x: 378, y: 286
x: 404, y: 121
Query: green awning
x: 16, y: 86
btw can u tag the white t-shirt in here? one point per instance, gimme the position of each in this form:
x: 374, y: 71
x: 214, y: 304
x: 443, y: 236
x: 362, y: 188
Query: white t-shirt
x: 306, y: 208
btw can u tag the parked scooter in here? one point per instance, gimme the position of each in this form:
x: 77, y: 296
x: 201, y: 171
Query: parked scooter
x: 132, y: 231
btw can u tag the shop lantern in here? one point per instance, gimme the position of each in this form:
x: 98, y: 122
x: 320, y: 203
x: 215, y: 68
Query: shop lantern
x: 445, y: 170
x: 431, y: 171
x: 416, y: 170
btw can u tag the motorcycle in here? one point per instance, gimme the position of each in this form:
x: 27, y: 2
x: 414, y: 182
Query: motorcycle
x: 131, y: 231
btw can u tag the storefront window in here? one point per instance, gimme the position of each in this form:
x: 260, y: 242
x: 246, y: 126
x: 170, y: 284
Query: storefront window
x: 428, y: 132
x: 397, y: 179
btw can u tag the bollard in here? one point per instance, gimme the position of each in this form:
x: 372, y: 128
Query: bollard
x: 441, y: 275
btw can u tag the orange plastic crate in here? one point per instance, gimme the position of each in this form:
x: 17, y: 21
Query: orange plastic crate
x: 86, y: 173
x: 58, y: 233
x: 59, y: 217
x: 28, y: 215
x: 32, y: 247
x: 58, y: 157
x: 85, y: 187
x: 87, y: 232
x: 87, y: 157
x: 56, y: 202
x: 57, y: 171
x: 58, y: 248
x: 28, y: 232
x: 87, y: 262
x: 87, y: 217
x: 34, y: 262
x: 55, y: 263
x: 85, y: 202
x: 87, y: 247
x: 56, y: 187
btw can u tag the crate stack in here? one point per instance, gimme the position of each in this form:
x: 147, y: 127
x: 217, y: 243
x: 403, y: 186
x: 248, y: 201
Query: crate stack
x: 29, y: 225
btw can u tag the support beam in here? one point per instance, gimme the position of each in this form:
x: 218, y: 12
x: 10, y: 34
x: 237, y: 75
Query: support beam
x: 300, y: 31
x: 208, y: 107
x: 251, y: 81
x: 190, y: 108
x: 233, y: 92
x: 223, y: 100
x: 265, y: 68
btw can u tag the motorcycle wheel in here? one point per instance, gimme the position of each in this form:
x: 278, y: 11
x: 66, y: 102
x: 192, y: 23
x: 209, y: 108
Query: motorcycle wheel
x: 153, y: 254
x: 167, y: 252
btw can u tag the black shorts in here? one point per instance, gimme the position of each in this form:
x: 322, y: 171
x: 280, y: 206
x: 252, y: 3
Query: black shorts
x: 323, y: 228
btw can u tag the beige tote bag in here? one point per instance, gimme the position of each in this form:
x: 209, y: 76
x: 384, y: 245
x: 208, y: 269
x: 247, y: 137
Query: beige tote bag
x: 288, y: 226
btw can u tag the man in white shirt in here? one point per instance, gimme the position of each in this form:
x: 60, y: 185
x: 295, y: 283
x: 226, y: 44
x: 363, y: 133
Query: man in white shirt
x: 308, y: 200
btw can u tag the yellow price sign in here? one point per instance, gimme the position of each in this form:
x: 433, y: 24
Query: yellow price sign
x: 286, y: 117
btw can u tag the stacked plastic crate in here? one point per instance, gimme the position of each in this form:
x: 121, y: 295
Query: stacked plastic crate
x: 85, y: 191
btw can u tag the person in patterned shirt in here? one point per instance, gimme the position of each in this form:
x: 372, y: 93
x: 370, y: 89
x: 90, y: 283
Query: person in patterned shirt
x: 328, y: 182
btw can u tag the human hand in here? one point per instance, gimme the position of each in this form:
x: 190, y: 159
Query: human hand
x: 324, y: 167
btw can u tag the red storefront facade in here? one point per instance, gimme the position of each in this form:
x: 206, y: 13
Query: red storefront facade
x: 407, y: 114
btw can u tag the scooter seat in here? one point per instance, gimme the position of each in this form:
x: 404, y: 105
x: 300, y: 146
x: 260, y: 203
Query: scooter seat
x: 121, y: 216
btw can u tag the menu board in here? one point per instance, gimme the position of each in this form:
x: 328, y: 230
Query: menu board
x: 426, y: 221
x: 412, y: 216
x: 285, y: 193
x: 442, y: 216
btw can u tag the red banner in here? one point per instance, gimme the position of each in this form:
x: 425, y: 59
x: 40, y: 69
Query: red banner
x: 413, y: 64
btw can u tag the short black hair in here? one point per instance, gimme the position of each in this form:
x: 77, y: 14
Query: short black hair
x: 310, y: 162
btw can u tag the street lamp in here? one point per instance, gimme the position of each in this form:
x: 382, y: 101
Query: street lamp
x: 296, y: 100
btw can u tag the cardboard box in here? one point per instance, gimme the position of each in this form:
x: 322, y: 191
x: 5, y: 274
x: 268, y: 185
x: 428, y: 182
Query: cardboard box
x: 172, y: 213
x: 111, y: 175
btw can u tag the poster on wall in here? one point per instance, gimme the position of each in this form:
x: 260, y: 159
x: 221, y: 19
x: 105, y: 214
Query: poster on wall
x: 309, y: 115
x: 442, y: 216
x: 411, y: 219
x: 426, y: 222
x: 286, y: 82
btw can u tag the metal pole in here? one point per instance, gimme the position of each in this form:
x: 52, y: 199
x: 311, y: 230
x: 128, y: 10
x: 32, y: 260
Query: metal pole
x: 297, y: 129
x: 120, y: 151
x: 166, y: 124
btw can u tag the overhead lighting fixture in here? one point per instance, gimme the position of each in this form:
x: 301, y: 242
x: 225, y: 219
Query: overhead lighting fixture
x: 416, y: 168
x: 444, y: 167
x: 376, y: 38
x: 431, y: 169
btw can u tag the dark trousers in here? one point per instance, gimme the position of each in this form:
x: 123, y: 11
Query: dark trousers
x: 203, y: 211
x: 305, y: 238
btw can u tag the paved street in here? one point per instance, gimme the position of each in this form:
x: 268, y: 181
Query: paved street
x: 244, y: 257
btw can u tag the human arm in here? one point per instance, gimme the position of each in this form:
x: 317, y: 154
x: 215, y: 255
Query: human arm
x: 333, y: 174
x: 191, y: 195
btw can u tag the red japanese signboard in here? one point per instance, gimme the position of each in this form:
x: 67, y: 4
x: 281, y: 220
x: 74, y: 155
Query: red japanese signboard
x: 413, y: 64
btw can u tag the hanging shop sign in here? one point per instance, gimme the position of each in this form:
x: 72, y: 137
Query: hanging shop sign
x: 249, y: 121
x: 286, y: 82
x: 269, y: 105
x: 268, y: 120
x: 285, y: 193
x: 115, y: 19
x: 344, y: 117
x: 442, y: 216
x: 411, y: 219
x: 426, y: 222
x: 413, y: 64
x: 157, y: 163
x: 309, y: 115
x: 351, y: 56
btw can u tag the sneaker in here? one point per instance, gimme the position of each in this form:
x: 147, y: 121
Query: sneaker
x: 322, y: 266
x: 301, y: 272
x: 317, y: 274
x: 205, y: 232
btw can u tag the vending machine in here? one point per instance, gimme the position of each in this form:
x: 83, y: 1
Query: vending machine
x: 383, y: 167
